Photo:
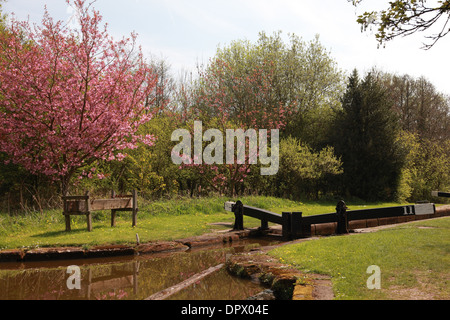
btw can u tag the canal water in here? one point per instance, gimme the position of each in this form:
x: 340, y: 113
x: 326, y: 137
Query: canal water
x: 130, y: 278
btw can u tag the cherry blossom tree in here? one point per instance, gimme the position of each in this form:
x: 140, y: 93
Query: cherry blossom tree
x: 69, y: 97
x: 231, y: 98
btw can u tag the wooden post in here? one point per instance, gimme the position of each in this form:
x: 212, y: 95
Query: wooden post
x: 296, y: 225
x: 88, y: 212
x: 238, y: 209
x: 264, y: 224
x: 286, y: 217
x: 113, y: 211
x: 342, y: 221
x: 135, y: 207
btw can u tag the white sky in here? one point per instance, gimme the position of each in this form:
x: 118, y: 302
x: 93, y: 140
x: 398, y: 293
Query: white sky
x: 185, y: 32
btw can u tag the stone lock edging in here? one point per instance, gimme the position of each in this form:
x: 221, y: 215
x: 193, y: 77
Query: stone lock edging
x: 284, y: 282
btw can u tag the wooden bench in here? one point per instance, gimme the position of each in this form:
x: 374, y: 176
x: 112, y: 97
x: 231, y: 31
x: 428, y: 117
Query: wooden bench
x: 84, y: 205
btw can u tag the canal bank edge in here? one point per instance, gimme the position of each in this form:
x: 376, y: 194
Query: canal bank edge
x: 69, y: 253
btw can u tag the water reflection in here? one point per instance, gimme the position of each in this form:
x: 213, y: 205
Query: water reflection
x: 126, y: 278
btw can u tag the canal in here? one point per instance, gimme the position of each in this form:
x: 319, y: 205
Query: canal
x: 131, y: 277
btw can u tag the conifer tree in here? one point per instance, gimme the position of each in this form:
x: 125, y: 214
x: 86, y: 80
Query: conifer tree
x: 365, y: 134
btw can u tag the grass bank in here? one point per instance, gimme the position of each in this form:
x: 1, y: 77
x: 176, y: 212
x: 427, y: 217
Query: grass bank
x: 414, y: 261
x: 159, y: 220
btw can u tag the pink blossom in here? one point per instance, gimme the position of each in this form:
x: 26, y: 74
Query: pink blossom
x: 70, y: 97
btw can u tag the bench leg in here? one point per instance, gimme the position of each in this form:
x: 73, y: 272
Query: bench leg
x: 113, y: 218
x: 67, y: 218
x: 89, y: 221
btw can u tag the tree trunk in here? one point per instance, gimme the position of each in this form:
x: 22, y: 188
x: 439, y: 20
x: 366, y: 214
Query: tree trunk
x: 65, y: 183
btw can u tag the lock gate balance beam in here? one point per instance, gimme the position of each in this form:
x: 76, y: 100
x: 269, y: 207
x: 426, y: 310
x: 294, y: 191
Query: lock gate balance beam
x: 440, y: 194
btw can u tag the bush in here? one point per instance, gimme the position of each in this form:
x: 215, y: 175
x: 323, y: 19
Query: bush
x: 302, y: 171
x: 426, y: 168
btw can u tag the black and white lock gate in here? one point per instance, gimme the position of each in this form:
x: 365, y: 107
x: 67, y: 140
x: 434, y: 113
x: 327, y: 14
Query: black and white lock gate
x: 440, y: 194
x: 295, y: 226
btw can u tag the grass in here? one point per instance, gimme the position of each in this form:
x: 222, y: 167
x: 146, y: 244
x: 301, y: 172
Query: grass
x: 159, y: 220
x: 414, y: 260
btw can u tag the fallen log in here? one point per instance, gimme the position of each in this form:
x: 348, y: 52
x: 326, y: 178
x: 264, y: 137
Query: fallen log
x: 164, y: 294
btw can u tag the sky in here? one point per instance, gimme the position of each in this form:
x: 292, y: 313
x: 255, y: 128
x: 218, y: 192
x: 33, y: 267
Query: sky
x: 186, y: 33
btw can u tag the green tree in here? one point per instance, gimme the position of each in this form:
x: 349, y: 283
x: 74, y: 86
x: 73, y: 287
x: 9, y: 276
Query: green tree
x: 426, y: 167
x: 420, y: 107
x: 301, y: 75
x: 303, y: 172
x: 269, y: 84
x: 364, y: 135
x: 405, y: 17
